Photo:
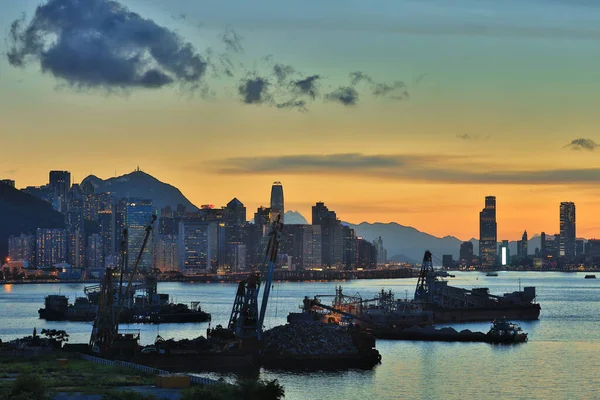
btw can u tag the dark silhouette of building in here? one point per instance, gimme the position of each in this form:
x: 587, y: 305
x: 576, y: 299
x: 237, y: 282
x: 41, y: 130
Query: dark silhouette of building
x: 332, y: 235
x: 234, y: 214
x: 447, y: 261
x: 277, y: 205
x: 488, y: 233
x: 60, y: 184
x: 579, y: 248
x: 522, y: 246
x: 367, y: 254
x: 567, y: 230
x: 8, y: 182
x: 262, y: 216
x: 466, y: 253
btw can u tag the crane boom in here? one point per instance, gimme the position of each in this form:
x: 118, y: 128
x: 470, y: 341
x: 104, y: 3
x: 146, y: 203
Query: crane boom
x: 246, y: 319
x: 106, y: 325
x: 271, y: 258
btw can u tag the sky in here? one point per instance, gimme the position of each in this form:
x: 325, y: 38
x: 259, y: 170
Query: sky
x: 404, y: 111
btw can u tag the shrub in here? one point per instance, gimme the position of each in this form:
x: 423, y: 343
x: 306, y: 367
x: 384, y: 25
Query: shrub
x: 127, y: 395
x: 244, y: 390
x: 28, y: 386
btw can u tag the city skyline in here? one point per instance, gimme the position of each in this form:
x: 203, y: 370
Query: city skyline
x: 479, y: 119
x: 276, y: 187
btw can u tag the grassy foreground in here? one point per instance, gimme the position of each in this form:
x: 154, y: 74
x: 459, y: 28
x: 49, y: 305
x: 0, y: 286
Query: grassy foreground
x: 77, y: 376
x: 37, y: 378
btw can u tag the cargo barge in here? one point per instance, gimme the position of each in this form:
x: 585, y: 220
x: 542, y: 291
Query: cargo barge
x: 452, y: 304
x: 147, y: 307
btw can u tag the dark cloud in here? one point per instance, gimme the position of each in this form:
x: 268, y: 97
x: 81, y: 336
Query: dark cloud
x: 299, y: 105
x: 307, y: 86
x: 100, y: 43
x: 357, y: 77
x: 282, y: 72
x: 346, y: 95
x: 407, y: 167
x: 396, y: 90
x: 232, y: 40
x: 582, y: 144
x: 255, y: 90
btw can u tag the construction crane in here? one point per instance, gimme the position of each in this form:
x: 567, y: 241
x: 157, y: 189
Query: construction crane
x: 246, y: 320
x: 105, y: 331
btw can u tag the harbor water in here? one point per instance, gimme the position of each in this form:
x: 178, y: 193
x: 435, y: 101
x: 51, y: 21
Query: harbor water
x: 560, y: 361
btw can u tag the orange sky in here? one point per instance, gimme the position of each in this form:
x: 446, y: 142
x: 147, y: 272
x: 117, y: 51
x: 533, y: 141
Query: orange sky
x: 487, y: 115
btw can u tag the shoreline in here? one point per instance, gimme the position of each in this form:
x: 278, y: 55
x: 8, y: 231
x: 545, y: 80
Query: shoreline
x: 288, y: 276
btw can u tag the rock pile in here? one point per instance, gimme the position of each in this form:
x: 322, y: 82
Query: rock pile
x: 200, y: 343
x: 308, y: 339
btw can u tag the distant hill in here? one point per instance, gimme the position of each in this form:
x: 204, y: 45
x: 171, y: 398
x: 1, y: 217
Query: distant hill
x: 294, y: 218
x: 22, y: 213
x: 139, y: 184
x: 406, y: 241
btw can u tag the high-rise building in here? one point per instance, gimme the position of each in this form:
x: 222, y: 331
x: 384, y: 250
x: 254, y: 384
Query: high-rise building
x: 8, y: 182
x: 262, y: 216
x: 488, y: 239
x: 523, y: 251
x: 277, y: 205
x: 332, y: 235
x: 51, y: 247
x: 447, y: 261
x: 350, y: 255
x: 94, y: 252
x: 366, y: 254
x: 567, y: 230
x: 466, y: 253
x: 301, y: 243
x: 22, y: 248
x: 381, y: 251
x: 166, y: 252
x: 74, y: 223
x: 234, y: 214
x: 60, y: 184
x: 138, y: 215
x: 579, y: 247
x: 198, y: 244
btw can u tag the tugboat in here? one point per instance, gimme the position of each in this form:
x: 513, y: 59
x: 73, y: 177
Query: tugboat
x: 503, y: 331
x: 590, y: 277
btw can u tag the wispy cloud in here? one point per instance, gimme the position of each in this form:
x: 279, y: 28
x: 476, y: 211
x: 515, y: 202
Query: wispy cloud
x: 582, y: 144
x: 405, y: 167
x: 466, y: 136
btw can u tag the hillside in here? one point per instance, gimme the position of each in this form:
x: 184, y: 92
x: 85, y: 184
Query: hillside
x: 139, y: 184
x: 23, y: 213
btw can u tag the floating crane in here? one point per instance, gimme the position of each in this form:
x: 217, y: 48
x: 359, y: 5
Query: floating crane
x: 105, y: 332
x: 246, y: 320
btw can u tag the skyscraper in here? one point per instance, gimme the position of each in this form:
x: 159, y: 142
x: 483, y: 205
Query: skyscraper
x: 567, y: 230
x: 138, y: 215
x: 60, y: 184
x: 51, y: 247
x: 466, y: 253
x: 524, y: 246
x: 488, y: 239
x: 277, y: 207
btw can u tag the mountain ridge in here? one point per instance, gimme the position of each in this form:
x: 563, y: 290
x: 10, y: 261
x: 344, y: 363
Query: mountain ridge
x: 139, y: 184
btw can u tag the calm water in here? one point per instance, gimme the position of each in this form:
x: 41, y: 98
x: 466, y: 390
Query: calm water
x: 560, y: 361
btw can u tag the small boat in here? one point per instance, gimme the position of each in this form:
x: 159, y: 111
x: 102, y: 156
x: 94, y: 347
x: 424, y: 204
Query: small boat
x: 590, y: 277
x: 503, y: 331
x: 491, y: 274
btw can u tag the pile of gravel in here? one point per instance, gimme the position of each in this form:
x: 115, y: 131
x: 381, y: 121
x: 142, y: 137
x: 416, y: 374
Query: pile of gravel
x: 308, y: 339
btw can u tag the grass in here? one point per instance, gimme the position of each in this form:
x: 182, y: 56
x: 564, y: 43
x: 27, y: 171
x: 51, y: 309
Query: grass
x: 78, y: 376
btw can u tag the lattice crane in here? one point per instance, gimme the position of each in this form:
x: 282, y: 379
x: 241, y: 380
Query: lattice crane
x: 246, y: 320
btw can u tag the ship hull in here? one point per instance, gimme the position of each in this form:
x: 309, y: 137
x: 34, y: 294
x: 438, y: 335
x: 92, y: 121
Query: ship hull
x: 525, y: 312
